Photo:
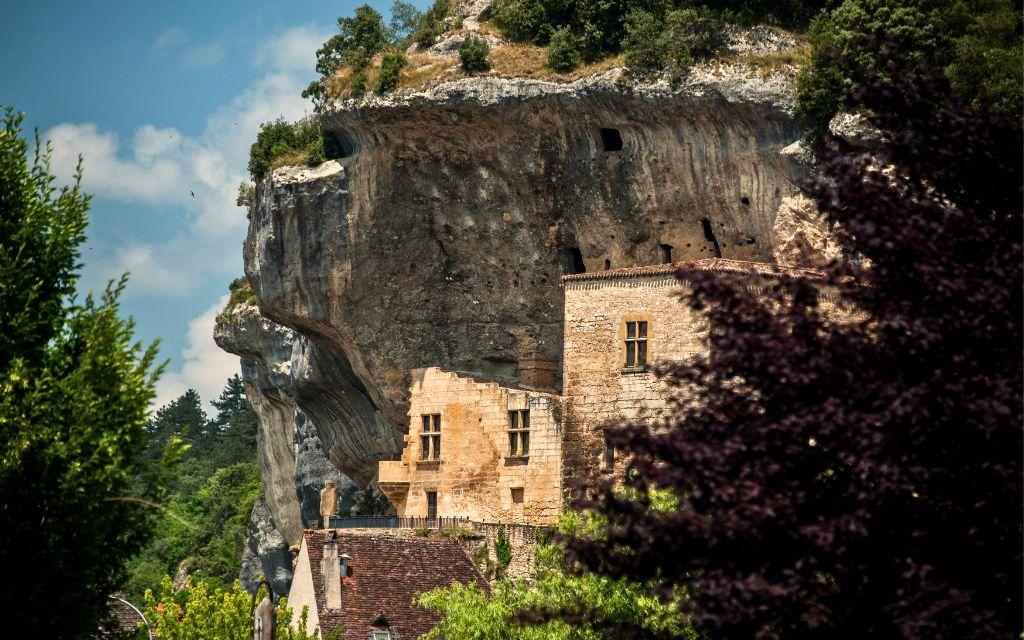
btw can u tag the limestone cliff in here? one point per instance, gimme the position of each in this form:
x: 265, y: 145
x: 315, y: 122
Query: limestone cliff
x: 291, y: 459
x: 440, y: 237
x: 439, y: 240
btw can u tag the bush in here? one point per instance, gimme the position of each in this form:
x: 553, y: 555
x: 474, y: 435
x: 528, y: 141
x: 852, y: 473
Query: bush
x: 246, y: 195
x: 643, y: 44
x: 281, y: 143
x: 519, y: 20
x: 390, y: 66
x: 563, y: 51
x: 473, y: 54
x: 652, y: 44
x: 432, y: 24
x: 979, y: 49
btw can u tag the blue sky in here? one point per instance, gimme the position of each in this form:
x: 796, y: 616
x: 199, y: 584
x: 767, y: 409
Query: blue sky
x: 163, y: 100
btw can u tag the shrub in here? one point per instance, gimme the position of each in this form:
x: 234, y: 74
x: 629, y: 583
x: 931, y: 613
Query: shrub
x: 280, y: 143
x: 390, y: 66
x: 473, y: 54
x: 432, y: 24
x: 503, y: 551
x: 563, y: 51
x: 643, y: 44
x: 652, y: 44
x: 357, y: 85
x: 246, y: 195
x: 519, y: 20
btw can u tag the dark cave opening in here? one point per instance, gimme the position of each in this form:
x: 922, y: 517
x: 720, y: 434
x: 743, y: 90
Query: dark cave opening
x: 709, y: 235
x: 666, y: 253
x: 611, y: 140
x: 572, y: 260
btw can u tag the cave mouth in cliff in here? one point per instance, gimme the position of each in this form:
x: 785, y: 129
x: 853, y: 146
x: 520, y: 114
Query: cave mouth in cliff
x: 611, y: 140
x: 572, y: 260
x: 339, y: 144
x: 709, y: 235
x: 666, y: 253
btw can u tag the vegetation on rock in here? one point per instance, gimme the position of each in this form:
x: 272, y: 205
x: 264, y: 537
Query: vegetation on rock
x: 75, y: 387
x: 280, y: 143
x: 978, y: 42
x: 473, y: 55
x: 857, y: 479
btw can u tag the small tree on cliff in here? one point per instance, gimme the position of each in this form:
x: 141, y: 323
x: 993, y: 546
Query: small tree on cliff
x: 855, y: 480
x: 74, y: 392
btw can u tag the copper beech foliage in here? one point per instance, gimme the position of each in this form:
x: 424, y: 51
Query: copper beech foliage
x: 859, y: 479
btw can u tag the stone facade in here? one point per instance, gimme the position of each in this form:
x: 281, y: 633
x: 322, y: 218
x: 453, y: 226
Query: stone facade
x: 598, y: 386
x: 619, y: 325
x: 476, y: 475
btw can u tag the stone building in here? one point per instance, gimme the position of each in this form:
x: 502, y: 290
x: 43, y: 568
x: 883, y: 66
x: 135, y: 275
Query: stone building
x: 477, y: 450
x: 484, y: 451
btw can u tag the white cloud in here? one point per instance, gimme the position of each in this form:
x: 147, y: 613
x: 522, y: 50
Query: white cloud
x: 198, y: 176
x: 204, y: 366
x: 292, y: 50
x: 201, y: 174
x: 202, y: 56
x: 173, y: 38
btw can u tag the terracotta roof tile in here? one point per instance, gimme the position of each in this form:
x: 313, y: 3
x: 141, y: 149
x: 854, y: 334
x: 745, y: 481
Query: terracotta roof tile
x: 387, y: 574
x: 723, y: 265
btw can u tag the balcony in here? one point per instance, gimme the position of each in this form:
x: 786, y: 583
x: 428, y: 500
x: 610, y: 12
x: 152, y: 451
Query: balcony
x: 392, y: 472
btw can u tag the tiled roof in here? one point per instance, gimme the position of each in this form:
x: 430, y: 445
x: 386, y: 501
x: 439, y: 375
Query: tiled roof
x: 722, y: 265
x: 387, y: 574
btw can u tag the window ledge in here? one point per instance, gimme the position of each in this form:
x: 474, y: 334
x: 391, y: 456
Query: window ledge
x: 629, y: 370
x: 428, y: 464
x: 516, y: 460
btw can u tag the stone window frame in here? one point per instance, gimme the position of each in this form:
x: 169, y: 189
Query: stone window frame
x: 430, y: 436
x: 518, y: 434
x: 649, y: 339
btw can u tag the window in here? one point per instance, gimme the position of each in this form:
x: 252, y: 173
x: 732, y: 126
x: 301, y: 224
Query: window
x: 609, y: 455
x: 430, y: 439
x: 380, y: 635
x: 519, y: 433
x: 636, y: 344
x: 432, y: 504
x: 517, y: 495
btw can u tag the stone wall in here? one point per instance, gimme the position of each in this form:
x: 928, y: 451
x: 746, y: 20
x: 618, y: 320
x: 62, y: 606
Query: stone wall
x: 476, y: 477
x: 598, y: 389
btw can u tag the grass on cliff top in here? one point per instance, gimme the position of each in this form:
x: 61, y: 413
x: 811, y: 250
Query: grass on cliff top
x: 515, y: 60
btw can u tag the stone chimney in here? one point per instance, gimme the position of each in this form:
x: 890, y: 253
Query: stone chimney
x: 330, y: 567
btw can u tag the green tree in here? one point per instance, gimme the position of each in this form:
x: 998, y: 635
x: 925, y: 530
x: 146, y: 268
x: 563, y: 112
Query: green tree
x: 590, y: 600
x: 203, y: 610
x: 405, y: 17
x: 978, y: 42
x: 74, y: 392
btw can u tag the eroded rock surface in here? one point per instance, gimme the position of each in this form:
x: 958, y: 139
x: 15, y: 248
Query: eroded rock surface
x: 440, y: 239
x: 267, y: 543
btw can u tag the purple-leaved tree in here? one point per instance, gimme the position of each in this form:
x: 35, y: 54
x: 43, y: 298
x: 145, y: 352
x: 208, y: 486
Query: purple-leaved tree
x: 859, y: 479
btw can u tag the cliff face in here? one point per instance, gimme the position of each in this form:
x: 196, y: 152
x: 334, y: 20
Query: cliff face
x: 439, y: 240
x: 292, y: 462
